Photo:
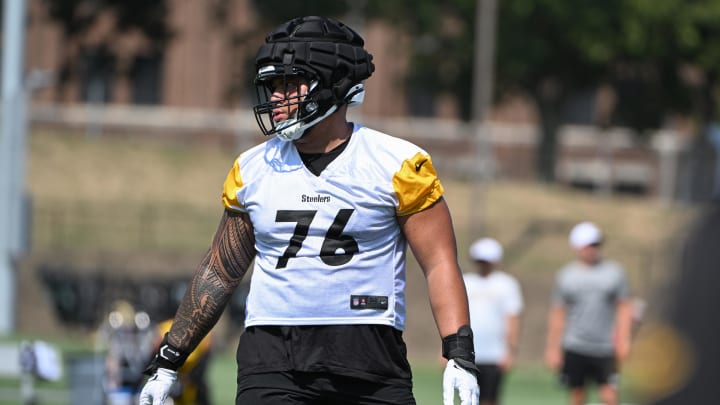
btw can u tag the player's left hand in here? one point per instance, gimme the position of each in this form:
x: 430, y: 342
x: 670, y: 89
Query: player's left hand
x: 460, y: 376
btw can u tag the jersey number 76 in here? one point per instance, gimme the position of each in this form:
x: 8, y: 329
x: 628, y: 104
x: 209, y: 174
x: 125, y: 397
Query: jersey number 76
x: 337, y: 249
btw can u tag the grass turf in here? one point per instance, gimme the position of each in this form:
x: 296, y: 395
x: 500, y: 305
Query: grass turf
x: 525, y: 385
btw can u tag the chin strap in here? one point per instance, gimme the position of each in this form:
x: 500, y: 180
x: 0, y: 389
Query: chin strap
x: 459, y: 346
x: 167, y: 356
x: 293, y: 129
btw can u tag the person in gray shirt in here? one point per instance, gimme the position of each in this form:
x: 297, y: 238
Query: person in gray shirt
x: 589, y: 325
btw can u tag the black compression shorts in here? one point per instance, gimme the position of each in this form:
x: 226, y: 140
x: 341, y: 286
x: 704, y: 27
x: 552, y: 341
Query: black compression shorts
x: 489, y: 381
x: 301, y: 388
x: 372, y: 355
x: 578, y: 369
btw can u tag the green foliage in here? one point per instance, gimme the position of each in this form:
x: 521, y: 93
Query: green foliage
x: 662, y: 41
x: 659, y: 57
x: 637, y: 46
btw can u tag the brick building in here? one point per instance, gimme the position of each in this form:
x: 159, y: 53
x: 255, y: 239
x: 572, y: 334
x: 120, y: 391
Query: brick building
x: 204, y: 64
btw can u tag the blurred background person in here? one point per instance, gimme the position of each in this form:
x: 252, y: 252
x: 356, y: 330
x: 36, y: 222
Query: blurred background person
x: 496, y: 303
x: 126, y: 338
x: 589, y: 324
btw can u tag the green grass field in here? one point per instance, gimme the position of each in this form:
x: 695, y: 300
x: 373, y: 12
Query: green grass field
x: 525, y: 385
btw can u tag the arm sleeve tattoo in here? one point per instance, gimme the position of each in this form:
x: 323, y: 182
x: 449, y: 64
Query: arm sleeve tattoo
x: 217, y: 276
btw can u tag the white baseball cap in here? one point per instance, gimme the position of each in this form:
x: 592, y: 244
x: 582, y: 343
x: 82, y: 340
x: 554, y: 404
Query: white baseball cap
x: 585, y: 234
x: 486, y: 249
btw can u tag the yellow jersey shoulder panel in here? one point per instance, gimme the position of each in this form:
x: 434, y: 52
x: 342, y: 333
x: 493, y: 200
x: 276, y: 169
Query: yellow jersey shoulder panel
x: 416, y: 184
x: 233, y: 183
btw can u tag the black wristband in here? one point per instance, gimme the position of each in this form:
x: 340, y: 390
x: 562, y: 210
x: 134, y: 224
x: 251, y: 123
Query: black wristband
x: 167, y: 356
x: 459, y: 345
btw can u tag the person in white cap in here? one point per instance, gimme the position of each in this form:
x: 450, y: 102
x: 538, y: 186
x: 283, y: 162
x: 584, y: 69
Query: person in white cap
x: 496, y: 302
x: 590, y: 319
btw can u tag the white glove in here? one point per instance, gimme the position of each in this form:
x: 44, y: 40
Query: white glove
x: 157, y: 387
x: 462, y: 379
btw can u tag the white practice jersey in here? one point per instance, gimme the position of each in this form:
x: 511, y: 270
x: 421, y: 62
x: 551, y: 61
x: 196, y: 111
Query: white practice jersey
x: 329, y: 247
x: 492, y: 299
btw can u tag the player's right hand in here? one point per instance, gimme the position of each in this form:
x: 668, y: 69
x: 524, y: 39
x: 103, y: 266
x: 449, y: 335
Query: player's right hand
x: 157, y: 387
x: 460, y: 375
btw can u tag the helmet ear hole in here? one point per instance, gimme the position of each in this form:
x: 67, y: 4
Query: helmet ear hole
x: 311, y: 107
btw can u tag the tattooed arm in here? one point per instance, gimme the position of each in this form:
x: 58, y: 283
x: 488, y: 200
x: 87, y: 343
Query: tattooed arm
x: 217, y: 276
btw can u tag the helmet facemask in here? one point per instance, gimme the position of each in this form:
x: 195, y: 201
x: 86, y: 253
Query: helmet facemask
x: 287, y: 102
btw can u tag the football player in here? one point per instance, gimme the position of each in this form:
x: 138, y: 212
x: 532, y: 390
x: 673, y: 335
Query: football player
x: 326, y: 209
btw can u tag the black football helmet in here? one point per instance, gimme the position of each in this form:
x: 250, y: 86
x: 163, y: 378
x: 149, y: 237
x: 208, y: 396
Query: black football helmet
x: 318, y: 52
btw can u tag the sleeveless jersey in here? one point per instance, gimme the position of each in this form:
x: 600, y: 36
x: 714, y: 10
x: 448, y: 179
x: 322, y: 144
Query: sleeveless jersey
x: 329, y: 248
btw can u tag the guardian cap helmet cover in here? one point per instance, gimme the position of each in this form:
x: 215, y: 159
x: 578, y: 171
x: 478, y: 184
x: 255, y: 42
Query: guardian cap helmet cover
x: 318, y: 52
